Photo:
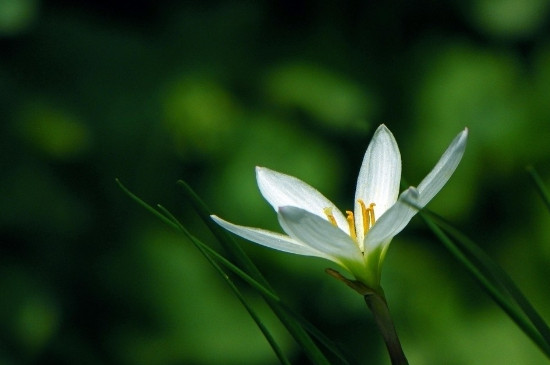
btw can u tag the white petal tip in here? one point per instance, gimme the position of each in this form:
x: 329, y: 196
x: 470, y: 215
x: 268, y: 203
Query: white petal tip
x: 462, y: 138
x: 264, y: 172
x: 382, y: 128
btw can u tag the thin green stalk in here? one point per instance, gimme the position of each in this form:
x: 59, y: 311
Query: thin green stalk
x: 219, y: 258
x: 381, y: 313
x: 486, y: 283
x: 240, y: 257
x: 272, y: 342
x: 169, y: 219
x: 465, y: 250
x: 223, y: 237
x: 295, y: 324
x: 376, y: 301
x: 496, y: 274
x: 147, y: 207
x: 211, y: 255
x: 539, y: 184
x: 269, y: 295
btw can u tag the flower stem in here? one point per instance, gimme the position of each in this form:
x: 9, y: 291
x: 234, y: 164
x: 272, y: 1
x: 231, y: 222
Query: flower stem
x: 376, y: 301
x: 379, y: 308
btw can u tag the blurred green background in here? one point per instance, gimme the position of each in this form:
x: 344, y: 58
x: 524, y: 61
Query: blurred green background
x: 156, y: 91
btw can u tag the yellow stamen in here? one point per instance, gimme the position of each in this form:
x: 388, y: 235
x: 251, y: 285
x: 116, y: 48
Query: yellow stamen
x: 365, y: 215
x: 351, y: 223
x: 368, y: 215
x: 330, y: 216
x: 371, y: 214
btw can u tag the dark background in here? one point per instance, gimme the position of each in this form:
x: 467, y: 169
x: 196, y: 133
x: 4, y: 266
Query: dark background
x: 156, y: 91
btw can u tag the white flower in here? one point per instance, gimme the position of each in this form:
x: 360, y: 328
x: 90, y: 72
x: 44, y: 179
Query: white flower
x: 358, y: 242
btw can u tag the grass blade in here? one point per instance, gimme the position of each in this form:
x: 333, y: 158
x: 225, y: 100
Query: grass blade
x: 269, y: 295
x: 221, y: 235
x: 294, y: 323
x: 495, y: 281
x: 498, y: 275
x: 225, y: 262
x: 147, y: 207
x: 169, y: 219
x: 545, y: 195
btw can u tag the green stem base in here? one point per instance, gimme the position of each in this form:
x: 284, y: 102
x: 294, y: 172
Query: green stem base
x: 379, y: 308
x: 376, y: 301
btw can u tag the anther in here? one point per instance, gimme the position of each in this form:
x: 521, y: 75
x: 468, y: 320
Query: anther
x: 365, y: 215
x: 371, y: 214
x: 351, y: 223
x: 330, y: 216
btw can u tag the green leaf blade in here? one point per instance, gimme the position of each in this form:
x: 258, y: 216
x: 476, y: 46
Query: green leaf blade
x: 494, y: 281
x: 539, y: 185
x: 296, y: 325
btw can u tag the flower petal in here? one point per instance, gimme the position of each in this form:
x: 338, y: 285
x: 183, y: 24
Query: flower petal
x: 412, y: 199
x: 269, y: 239
x: 443, y: 170
x: 379, y: 177
x: 318, y: 234
x: 284, y: 190
x: 393, y: 221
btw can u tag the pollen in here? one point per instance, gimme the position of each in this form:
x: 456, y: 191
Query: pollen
x: 330, y: 216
